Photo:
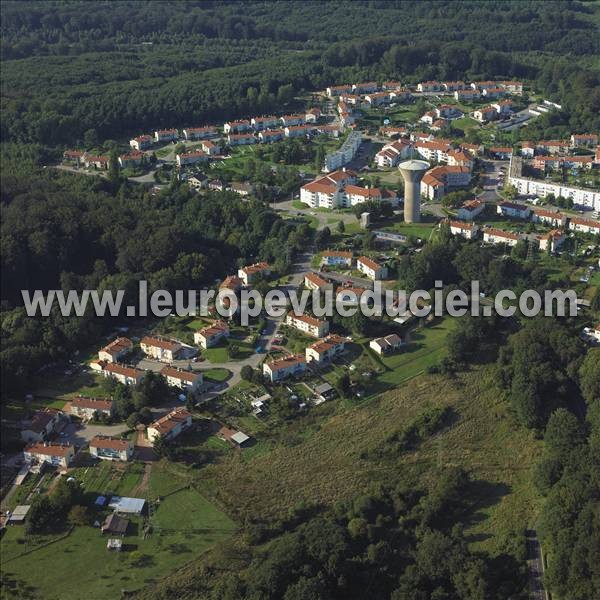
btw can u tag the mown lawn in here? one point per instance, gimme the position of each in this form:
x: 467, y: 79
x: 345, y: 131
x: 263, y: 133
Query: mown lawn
x: 218, y: 354
x: 426, y: 348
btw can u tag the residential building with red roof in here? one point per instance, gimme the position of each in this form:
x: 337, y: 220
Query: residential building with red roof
x: 200, y: 133
x: 123, y: 374
x: 262, y: 123
x: 116, y: 350
x: 467, y: 230
x: 132, y: 159
x: 271, y: 135
x: 141, y: 142
x: 55, y: 454
x: 429, y: 86
x: 485, y: 114
x: 470, y: 209
x: 584, y: 225
x: 440, y: 180
x: 326, y: 349
x: 579, y: 140
x: 371, y: 268
x: 281, y: 368
x: 241, y: 126
x: 498, y: 236
x: 180, y: 378
x: 386, y: 345
x: 41, y: 425
x: 160, y: 348
x: 191, y: 158
x: 210, y: 336
x: 513, y: 210
x: 166, y: 135
x: 232, y: 282
x: 91, y: 408
x: 169, y: 426
x: 246, y: 274
x: 106, y: 447
x: 553, y: 218
x: 552, y: 241
x: 338, y: 90
x: 307, y: 324
x: 337, y: 257
x: 391, y: 154
x: 241, y: 139
x: 312, y: 281
x: 467, y: 95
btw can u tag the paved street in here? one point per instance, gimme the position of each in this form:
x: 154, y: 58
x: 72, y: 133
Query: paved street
x: 535, y: 566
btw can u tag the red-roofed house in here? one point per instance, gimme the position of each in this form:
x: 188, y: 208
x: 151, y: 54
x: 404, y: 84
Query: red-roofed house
x: 326, y: 349
x: 160, y: 348
x: 467, y: 230
x: 246, y: 274
x: 116, y: 350
x: 110, y: 448
x: 169, y: 426
x: 212, y: 335
x: 91, y: 408
x: 141, y: 142
x: 584, y: 225
x: 584, y: 139
x: 278, y: 369
x: 470, y: 209
x: 166, y: 135
x: 307, y: 324
x: 123, y: 374
x: 186, y: 380
x: 371, y: 268
x: 498, y: 236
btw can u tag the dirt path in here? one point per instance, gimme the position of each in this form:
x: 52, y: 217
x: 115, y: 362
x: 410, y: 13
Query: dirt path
x: 140, y: 489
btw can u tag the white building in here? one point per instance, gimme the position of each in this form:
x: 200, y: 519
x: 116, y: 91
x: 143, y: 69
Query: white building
x: 237, y: 126
x: 199, y: 133
x: 109, y: 448
x: 467, y: 230
x: 338, y: 158
x: 141, y: 142
x: 91, y: 408
x: 57, y: 455
x: 123, y: 374
x: 514, y: 210
x: 552, y: 240
x: 391, y: 154
x: 116, y: 350
x: 307, y: 324
x: 497, y: 236
x: 247, y: 274
x: 541, y: 188
x: 584, y: 225
x: 212, y: 335
x: 470, y: 209
x: 160, y: 348
x: 262, y: 123
x: 276, y: 370
x: 326, y: 349
x: 371, y: 268
x: 166, y: 135
x: 241, y: 139
x: 387, y: 344
x: 185, y: 380
x: 169, y: 426
x: 337, y: 258
x: 191, y: 158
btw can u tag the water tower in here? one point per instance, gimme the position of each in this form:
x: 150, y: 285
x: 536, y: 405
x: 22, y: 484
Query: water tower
x: 412, y: 172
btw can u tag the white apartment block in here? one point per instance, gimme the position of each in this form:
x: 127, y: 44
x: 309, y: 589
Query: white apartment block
x: 289, y: 366
x: 307, y: 324
x: 338, y: 158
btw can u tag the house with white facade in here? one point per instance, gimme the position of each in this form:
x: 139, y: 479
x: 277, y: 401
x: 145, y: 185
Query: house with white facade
x: 470, y: 209
x: 386, y: 345
x: 91, y: 408
x: 123, y: 374
x: 141, y: 142
x: 241, y: 126
x: 552, y: 241
x: 337, y: 258
x: 271, y: 135
x: 182, y: 379
x: 241, y: 139
x: 513, y: 210
x: 312, y: 281
x: 41, y: 425
x: 438, y: 181
x: 553, y: 218
x: 105, y: 447
x: 466, y: 229
x: 498, y: 236
x: 200, y: 133
x: 371, y: 268
x: 262, y: 123
x: 52, y: 453
x: 325, y: 350
x: 391, y: 154
x: 166, y: 135
x: 116, y: 350
x: 160, y: 348
x: 169, y: 426
x: 210, y: 336
x: 338, y: 158
x: 281, y: 368
x: 191, y: 158
x: 580, y: 140
x: 584, y: 225
x: 307, y: 324
x: 248, y: 273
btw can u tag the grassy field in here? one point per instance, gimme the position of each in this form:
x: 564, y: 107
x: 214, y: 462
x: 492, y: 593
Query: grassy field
x: 79, y: 565
x: 421, y: 230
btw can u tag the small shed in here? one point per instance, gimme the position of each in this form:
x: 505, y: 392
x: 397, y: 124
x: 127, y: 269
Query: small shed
x: 17, y: 517
x: 239, y: 438
x: 115, y: 525
x: 114, y: 544
x: 324, y: 391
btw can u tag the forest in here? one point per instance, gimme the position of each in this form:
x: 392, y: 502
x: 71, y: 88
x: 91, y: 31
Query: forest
x: 113, y: 71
